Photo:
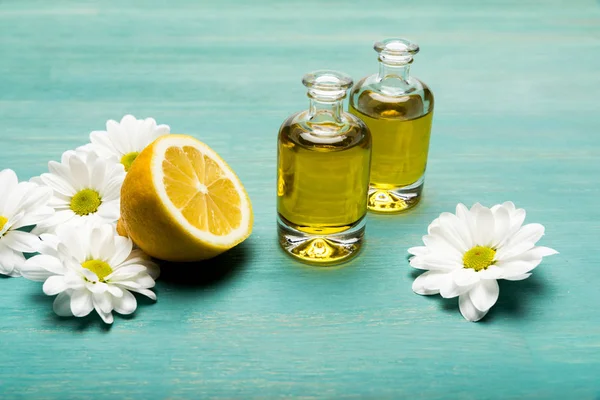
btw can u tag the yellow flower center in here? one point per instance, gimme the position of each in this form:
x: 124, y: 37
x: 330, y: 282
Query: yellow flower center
x: 128, y: 159
x: 86, y: 202
x: 479, y: 257
x: 100, y: 268
x: 3, y: 221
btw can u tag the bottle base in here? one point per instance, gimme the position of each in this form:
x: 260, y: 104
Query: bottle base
x: 396, y: 199
x: 322, y: 250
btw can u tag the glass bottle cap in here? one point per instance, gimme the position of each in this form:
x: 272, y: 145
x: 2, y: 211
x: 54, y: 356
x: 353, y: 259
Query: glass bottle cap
x: 327, y: 85
x: 396, y: 51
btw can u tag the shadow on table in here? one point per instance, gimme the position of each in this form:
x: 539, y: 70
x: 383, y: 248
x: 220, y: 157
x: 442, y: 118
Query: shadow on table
x: 90, y: 321
x: 513, y: 302
x: 204, y: 274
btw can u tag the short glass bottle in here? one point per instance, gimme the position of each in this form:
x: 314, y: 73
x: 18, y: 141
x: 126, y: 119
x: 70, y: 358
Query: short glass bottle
x: 323, y: 164
x: 398, y: 109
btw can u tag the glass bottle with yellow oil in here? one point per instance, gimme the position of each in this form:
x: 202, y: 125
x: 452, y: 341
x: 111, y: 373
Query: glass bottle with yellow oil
x: 398, y: 109
x: 323, y: 158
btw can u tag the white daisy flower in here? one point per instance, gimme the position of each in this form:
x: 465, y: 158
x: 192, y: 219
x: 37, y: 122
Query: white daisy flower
x: 86, y: 189
x: 122, y: 142
x: 92, y: 269
x: 465, y: 253
x: 21, y: 204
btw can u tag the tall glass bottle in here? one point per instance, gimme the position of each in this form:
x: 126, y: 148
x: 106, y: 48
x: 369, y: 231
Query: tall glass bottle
x: 398, y: 109
x: 323, y: 157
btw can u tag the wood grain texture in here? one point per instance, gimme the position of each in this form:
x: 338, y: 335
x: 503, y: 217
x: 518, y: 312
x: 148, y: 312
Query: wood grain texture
x: 517, y: 118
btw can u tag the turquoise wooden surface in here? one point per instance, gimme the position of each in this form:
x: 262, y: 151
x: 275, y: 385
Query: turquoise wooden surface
x: 516, y: 87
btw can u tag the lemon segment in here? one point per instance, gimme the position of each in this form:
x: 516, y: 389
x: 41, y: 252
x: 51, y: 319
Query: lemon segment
x: 181, y: 202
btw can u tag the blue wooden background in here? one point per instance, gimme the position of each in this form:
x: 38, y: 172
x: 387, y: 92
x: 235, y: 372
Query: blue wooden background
x: 517, y: 118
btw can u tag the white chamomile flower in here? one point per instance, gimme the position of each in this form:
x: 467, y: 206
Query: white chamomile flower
x: 91, y: 269
x: 122, y: 142
x: 87, y: 190
x: 21, y: 204
x: 465, y: 253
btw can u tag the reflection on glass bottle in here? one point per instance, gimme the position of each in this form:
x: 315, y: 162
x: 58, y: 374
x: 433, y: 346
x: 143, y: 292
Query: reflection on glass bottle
x: 323, y: 158
x: 398, y: 110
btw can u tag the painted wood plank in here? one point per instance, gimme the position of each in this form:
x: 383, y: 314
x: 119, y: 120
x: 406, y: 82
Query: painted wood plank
x: 516, y: 86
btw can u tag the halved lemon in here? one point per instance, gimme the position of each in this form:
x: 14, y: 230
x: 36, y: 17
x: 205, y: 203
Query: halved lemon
x: 181, y: 202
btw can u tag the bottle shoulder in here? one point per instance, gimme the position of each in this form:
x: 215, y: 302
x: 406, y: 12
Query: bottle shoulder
x: 410, y: 100
x: 297, y: 129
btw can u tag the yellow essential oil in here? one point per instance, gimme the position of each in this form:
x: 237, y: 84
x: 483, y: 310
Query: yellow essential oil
x: 323, y: 175
x: 398, y: 109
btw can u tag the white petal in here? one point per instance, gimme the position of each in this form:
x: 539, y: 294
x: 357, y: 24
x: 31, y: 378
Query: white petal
x: 60, y: 218
x: 449, y: 237
x: 54, y: 285
x: 528, y: 233
x: 106, y: 317
x: 64, y: 159
x: 418, y: 251
x: 61, y: 171
x: 468, y: 310
x: 41, y: 267
x: 458, y: 229
x: 11, y: 261
x: 152, y: 269
x: 535, y: 253
x: 97, y: 176
x: 162, y: 130
x: 109, y: 211
x: 102, y: 243
x: 126, y: 304
x: 8, y: 183
x: 432, y: 262
x: 103, y: 301
x: 102, y: 144
x: 145, y: 281
x: 485, y: 294
x: 517, y: 218
x: 517, y: 277
x: 484, y: 227
x: 81, y: 303
x: 128, y: 285
x: 449, y: 289
x: 37, y: 197
x: 62, y: 305
x: 117, y: 136
x: 123, y: 248
x: 515, y: 268
x: 137, y: 256
x: 74, y: 241
x: 41, y: 215
x: 16, y: 199
x: 465, y: 276
x: 512, y: 250
x: 502, y: 225
x: 434, y: 224
x: 112, y: 190
x: 115, y: 290
x: 87, y: 274
x: 492, y: 272
x: 124, y: 273
x: 441, y: 248
x: 21, y: 241
x: 80, y: 173
x: 148, y: 293
x: 58, y: 184
x: 429, y: 282
x: 462, y: 212
x: 97, y: 287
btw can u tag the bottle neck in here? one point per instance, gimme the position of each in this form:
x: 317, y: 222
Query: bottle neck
x: 321, y: 111
x: 387, y: 71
